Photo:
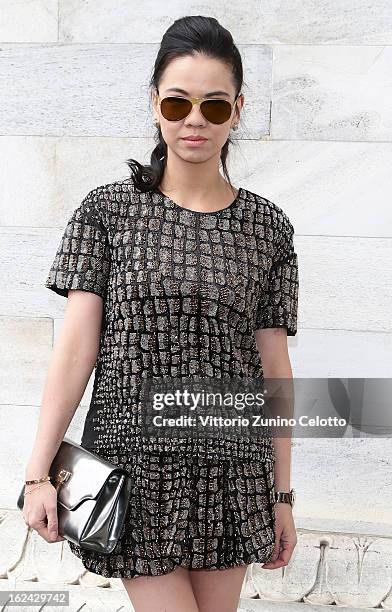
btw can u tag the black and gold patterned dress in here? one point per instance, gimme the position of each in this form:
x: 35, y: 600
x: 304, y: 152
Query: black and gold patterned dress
x: 183, y: 292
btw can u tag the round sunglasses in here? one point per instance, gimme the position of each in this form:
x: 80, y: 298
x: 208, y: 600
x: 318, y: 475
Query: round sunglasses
x: 214, y: 110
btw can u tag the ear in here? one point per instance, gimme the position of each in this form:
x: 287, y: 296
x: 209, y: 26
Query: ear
x: 154, y: 102
x: 239, y: 105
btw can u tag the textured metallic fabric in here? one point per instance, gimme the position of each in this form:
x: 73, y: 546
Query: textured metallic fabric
x: 197, y: 513
x: 183, y: 293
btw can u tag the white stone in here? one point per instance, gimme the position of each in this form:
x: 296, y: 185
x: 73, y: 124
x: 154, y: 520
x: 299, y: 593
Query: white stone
x: 25, y: 21
x: 343, y: 484
x: 304, y: 23
x: 359, y: 570
x: 13, y: 536
x: 55, y: 563
x: 328, y: 189
x: 297, y: 577
x: 355, y: 354
x: 332, y: 93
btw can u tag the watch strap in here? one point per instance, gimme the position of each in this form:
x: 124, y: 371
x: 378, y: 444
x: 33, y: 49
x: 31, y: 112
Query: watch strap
x: 287, y: 497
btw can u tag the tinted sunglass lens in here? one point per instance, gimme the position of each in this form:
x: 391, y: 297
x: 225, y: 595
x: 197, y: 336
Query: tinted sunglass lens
x: 216, y: 111
x: 174, y: 109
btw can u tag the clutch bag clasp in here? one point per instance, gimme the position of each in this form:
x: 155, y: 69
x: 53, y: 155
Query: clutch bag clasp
x: 61, y: 477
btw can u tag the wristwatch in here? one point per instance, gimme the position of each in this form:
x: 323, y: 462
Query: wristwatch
x: 283, y: 496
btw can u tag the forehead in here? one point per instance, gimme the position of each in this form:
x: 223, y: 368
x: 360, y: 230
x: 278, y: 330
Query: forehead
x: 197, y: 75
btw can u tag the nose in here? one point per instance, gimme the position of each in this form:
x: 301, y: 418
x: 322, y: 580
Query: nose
x: 195, y: 116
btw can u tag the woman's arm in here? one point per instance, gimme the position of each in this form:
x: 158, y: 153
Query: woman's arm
x: 272, y: 345
x: 72, y: 361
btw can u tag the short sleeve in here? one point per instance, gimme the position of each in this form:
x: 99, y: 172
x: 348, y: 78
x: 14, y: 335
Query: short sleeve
x: 278, y: 304
x: 82, y: 260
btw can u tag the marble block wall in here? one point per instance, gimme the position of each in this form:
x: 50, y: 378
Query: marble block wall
x: 316, y: 139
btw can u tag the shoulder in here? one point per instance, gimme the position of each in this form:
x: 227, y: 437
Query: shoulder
x: 269, y: 215
x: 116, y: 191
x: 105, y: 201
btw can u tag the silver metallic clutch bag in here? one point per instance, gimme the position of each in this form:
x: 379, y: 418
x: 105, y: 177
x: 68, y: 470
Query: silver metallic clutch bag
x: 92, y: 497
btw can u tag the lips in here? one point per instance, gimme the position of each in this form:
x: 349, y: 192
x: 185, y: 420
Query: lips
x: 194, y: 138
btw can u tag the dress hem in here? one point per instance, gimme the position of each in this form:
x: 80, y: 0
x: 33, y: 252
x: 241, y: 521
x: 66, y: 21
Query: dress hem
x: 183, y: 563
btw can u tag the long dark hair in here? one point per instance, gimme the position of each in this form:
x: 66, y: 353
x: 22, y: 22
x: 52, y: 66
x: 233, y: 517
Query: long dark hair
x: 187, y: 36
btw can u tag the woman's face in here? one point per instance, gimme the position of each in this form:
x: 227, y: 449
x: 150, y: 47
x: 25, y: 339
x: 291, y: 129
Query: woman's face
x: 197, y: 75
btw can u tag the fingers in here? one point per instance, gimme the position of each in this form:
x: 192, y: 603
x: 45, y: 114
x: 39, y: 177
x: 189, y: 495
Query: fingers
x: 48, y: 535
x: 41, y: 528
x: 276, y: 552
x: 52, y: 528
x: 42, y: 516
x: 281, y: 561
x: 281, y: 555
x: 48, y: 531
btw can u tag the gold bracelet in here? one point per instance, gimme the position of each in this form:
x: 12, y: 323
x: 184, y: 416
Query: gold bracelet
x: 31, y: 490
x: 38, y: 480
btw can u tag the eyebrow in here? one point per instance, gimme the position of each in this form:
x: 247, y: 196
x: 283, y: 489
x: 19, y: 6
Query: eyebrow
x: 207, y: 95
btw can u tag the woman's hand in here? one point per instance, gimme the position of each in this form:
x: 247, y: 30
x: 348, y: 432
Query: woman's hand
x: 40, y: 511
x: 285, y: 537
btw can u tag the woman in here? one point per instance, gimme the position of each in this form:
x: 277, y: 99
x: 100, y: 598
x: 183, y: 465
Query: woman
x: 174, y: 273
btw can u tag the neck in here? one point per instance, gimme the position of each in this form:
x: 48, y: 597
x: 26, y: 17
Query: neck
x: 193, y: 181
